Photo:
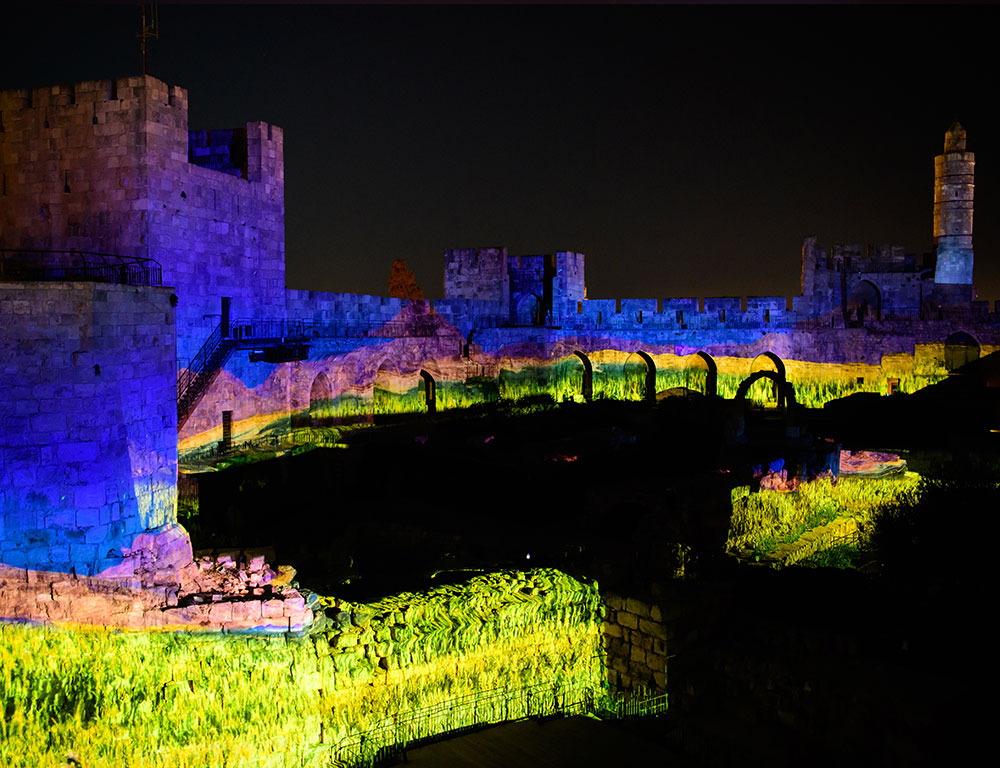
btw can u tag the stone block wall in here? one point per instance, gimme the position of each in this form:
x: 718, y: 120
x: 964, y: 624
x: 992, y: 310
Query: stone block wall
x: 330, y: 310
x: 470, y: 315
x: 75, y: 161
x: 569, y: 285
x: 477, y: 273
x: 220, y: 235
x: 104, y: 166
x: 88, y: 422
x: 650, y: 316
x: 543, y: 607
x: 531, y: 289
x: 635, y: 640
x: 954, y: 193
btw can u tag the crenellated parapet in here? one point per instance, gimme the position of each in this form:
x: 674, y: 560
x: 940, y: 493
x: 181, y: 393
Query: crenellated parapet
x: 111, y: 166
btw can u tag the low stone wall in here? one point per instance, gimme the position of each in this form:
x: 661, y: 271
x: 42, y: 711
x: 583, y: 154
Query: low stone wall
x: 497, y: 630
x: 160, y: 587
x: 493, y: 641
x: 635, y: 640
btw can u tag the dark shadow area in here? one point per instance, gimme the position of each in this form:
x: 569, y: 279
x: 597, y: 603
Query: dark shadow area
x: 815, y: 666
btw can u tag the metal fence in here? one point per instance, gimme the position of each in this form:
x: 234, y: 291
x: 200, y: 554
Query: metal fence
x: 25, y: 264
x: 409, y: 730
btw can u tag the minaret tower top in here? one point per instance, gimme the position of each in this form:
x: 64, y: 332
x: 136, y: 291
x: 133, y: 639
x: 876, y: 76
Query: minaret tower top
x: 954, y: 189
x: 954, y: 138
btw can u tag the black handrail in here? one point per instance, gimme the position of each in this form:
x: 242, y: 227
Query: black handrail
x: 196, y: 375
x: 72, y: 265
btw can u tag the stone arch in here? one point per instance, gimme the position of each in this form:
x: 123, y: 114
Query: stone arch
x: 639, y: 374
x: 392, y: 390
x: 786, y: 391
x: 863, y: 305
x: 696, y: 361
x: 429, y: 391
x: 527, y: 310
x: 320, y: 401
x: 960, y: 348
x: 770, y: 361
x: 588, y: 375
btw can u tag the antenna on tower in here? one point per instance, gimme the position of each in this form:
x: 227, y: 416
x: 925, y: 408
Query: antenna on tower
x: 149, y: 27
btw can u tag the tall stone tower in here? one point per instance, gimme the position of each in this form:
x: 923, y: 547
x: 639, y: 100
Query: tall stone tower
x: 954, y: 187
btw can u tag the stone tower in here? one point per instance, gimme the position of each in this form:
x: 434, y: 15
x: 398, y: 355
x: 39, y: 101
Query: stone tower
x: 954, y: 187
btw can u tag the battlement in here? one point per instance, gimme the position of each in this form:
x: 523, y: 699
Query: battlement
x: 111, y: 166
x: 102, y: 96
x: 682, y: 314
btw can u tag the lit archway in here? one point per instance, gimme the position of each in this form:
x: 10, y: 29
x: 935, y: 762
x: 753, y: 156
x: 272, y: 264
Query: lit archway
x: 701, y: 374
x: 639, y: 377
x: 771, y: 395
x: 960, y: 349
x: 428, y: 391
x: 527, y: 310
x: 786, y: 392
x: 320, y: 401
x: 864, y: 304
x: 588, y: 376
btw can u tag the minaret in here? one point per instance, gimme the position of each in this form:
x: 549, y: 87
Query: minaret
x: 954, y: 186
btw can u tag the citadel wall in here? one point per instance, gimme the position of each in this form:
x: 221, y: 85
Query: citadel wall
x: 105, y: 166
x: 88, y: 458
x: 112, y: 166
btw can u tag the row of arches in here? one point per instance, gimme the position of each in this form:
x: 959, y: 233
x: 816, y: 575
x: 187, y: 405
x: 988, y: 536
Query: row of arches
x: 392, y: 392
x: 765, y: 384
x: 639, y: 375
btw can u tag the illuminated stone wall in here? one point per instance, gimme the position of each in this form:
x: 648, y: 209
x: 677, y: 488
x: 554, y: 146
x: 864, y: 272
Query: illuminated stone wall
x: 635, y: 640
x: 346, y: 379
x: 88, y: 451
x: 104, y: 165
x: 505, y: 630
x: 211, y: 698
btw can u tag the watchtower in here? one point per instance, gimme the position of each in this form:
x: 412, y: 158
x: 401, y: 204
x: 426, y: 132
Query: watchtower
x: 954, y: 187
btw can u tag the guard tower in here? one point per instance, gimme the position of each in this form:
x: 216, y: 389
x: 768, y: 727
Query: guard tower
x: 954, y: 187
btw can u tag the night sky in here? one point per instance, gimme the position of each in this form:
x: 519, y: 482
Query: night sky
x: 685, y: 150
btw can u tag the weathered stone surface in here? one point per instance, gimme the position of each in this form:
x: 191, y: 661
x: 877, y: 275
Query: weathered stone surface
x: 637, y: 607
x: 636, y: 646
x: 198, y: 597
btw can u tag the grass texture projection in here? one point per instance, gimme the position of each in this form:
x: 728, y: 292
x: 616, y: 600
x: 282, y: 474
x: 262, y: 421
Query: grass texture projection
x: 761, y: 521
x: 157, y: 699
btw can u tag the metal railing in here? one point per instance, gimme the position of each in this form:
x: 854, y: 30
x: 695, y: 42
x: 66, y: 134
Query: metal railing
x: 701, y: 321
x: 195, y: 377
x: 24, y: 264
x: 359, y: 329
x: 221, y: 448
x: 408, y: 730
x: 262, y: 331
x: 221, y: 342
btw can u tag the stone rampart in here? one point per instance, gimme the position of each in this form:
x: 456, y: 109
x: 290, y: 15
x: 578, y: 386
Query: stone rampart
x: 636, y: 643
x: 88, y: 458
x: 104, y: 166
x: 461, y: 654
